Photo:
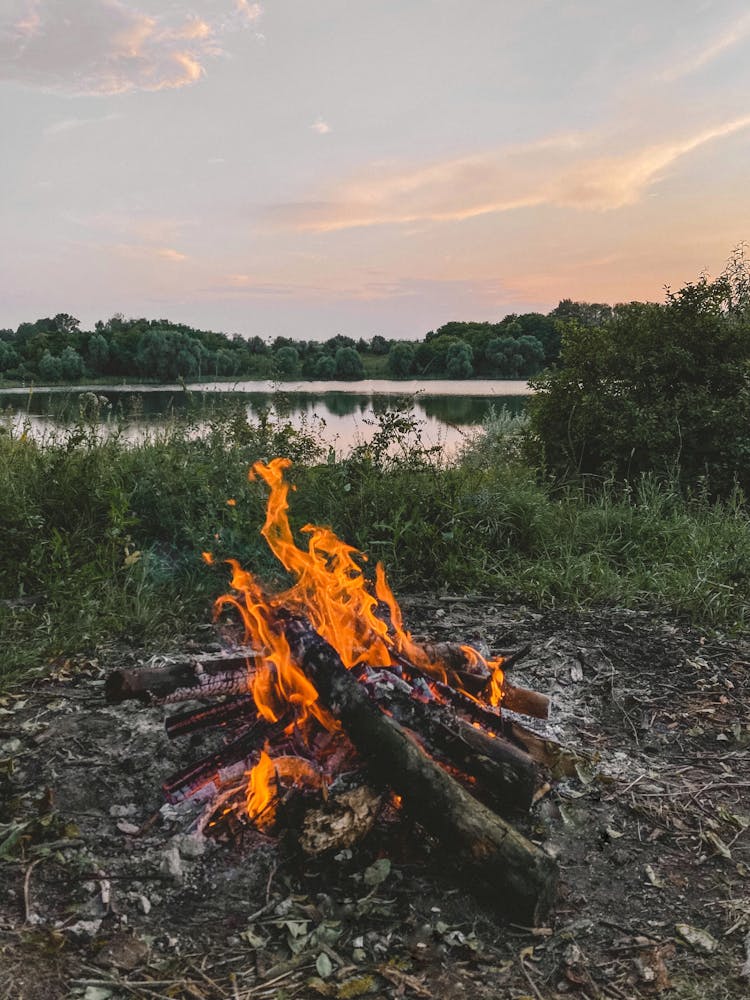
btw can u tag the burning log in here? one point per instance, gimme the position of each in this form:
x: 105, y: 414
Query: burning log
x: 212, y: 676
x: 519, y: 877
x: 207, y: 776
x: 506, y: 775
x: 461, y: 661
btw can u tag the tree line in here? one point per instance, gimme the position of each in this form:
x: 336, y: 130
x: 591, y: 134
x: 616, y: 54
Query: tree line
x: 56, y: 349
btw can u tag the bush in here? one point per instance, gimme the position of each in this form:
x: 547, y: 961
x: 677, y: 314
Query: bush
x: 661, y: 389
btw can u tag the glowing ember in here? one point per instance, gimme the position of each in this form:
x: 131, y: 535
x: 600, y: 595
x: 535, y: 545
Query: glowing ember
x: 333, y: 594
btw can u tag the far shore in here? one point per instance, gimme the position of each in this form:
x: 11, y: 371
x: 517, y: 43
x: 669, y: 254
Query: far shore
x: 369, y: 387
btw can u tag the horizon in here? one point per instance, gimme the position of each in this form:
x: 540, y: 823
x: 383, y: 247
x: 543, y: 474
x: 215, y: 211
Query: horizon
x: 306, y: 171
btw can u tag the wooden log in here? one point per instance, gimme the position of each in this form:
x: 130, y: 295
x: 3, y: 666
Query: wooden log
x: 212, y: 676
x: 506, y: 776
x: 210, y: 717
x: 457, y: 661
x: 205, y: 777
x: 182, y: 680
x: 556, y: 759
x: 518, y: 877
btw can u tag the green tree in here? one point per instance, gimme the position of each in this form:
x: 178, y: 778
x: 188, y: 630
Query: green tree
x: 325, y: 367
x: 504, y: 357
x: 98, y: 353
x: 348, y: 363
x: 50, y: 367
x: 168, y: 354
x: 286, y: 359
x: 401, y: 359
x: 71, y: 364
x: 8, y: 356
x: 458, y: 361
x: 658, y: 388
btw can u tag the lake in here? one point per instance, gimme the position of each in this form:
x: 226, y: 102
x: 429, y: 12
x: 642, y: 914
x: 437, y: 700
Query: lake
x: 341, y: 412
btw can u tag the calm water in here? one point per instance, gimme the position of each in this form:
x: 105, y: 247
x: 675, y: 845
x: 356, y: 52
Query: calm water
x: 340, y: 412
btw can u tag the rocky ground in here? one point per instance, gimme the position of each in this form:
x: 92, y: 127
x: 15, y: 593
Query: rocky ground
x: 105, y: 892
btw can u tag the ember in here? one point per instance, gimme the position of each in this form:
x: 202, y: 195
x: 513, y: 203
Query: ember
x: 331, y: 692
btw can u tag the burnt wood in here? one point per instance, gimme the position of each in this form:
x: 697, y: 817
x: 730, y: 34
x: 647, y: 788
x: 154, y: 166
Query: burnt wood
x: 517, y: 877
x: 506, y: 776
x: 212, y: 676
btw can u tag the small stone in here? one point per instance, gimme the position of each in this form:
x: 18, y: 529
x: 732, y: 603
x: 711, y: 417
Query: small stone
x: 119, y: 811
x: 144, y: 904
x: 191, y: 846
x: 97, y: 993
x: 129, y: 828
x: 171, y: 863
x: 84, y: 929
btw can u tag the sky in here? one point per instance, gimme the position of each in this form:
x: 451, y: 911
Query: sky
x: 306, y: 168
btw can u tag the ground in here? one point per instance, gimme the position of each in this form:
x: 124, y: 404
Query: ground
x: 105, y: 893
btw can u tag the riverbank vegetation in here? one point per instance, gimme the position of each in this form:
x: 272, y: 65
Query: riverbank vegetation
x: 56, y: 350
x: 625, y: 483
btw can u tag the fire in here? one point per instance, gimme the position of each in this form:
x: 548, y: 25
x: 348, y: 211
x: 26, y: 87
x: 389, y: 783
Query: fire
x: 332, y: 592
x: 265, y: 781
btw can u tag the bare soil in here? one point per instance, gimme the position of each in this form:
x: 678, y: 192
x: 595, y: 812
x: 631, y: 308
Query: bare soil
x: 105, y: 892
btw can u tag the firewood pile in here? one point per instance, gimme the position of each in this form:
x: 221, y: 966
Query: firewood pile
x: 332, y: 713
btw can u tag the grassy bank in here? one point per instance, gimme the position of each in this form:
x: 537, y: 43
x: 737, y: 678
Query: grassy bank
x: 105, y: 537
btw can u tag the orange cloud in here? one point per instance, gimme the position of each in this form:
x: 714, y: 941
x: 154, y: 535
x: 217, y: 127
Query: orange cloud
x: 569, y: 171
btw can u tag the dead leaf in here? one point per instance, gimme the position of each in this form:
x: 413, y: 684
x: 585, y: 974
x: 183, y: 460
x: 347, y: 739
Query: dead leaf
x: 718, y: 844
x: 653, y: 877
x: 697, y: 938
x: 377, y: 872
x: 404, y: 980
x: 323, y: 965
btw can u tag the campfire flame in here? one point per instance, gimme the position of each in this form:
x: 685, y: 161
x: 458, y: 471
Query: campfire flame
x: 332, y: 592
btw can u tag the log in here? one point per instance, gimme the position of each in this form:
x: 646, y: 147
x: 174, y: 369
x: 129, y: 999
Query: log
x: 182, y: 680
x: 204, y: 778
x: 506, y: 776
x: 212, y: 676
x: 519, y: 879
x: 210, y: 717
x: 457, y: 661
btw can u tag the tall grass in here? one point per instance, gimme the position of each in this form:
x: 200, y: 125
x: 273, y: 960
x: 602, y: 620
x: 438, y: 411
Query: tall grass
x: 107, y: 535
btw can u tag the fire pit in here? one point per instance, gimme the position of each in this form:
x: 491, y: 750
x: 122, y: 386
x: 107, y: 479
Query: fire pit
x: 333, y: 712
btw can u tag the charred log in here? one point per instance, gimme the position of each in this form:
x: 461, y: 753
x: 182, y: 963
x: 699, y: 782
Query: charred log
x: 207, y: 776
x: 182, y: 680
x: 505, y: 774
x: 209, y: 717
x: 517, y: 876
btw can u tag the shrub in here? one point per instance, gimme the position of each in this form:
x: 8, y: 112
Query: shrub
x: 656, y: 389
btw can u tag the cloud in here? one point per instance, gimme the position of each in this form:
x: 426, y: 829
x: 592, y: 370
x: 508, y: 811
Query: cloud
x: 69, y: 124
x: 138, y: 251
x: 569, y: 171
x: 249, y: 11
x: 321, y: 127
x: 730, y: 37
x: 94, y: 47
x: 170, y: 254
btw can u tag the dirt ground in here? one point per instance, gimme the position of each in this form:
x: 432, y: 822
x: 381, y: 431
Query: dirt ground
x: 105, y: 893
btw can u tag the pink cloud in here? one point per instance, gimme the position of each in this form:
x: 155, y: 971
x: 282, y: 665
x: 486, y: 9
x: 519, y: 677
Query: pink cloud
x: 569, y: 171
x: 106, y: 46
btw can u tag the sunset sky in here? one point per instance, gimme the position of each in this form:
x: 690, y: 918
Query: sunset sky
x: 313, y: 167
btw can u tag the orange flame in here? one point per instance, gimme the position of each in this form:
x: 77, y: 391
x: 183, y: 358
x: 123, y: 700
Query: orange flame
x: 332, y: 591
x: 265, y: 779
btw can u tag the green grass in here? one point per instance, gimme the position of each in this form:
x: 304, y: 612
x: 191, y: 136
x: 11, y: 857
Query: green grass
x: 108, y: 535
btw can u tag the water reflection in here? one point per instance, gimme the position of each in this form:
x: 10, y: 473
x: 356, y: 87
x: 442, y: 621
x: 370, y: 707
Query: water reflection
x: 340, y: 418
